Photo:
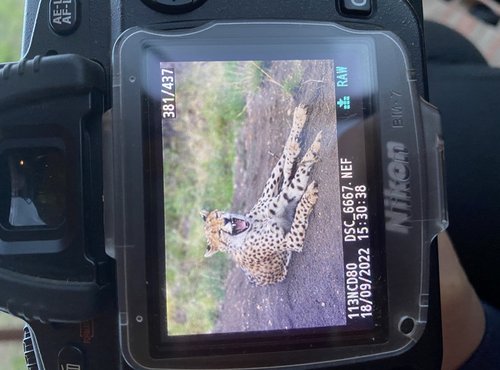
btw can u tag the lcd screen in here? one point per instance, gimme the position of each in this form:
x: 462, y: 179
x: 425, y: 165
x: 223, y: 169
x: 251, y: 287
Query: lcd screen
x: 268, y: 196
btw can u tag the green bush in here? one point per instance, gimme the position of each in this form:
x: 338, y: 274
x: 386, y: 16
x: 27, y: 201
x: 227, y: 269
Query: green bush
x: 11, y: 28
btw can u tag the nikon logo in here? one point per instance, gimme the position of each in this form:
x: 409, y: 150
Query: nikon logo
x: 397, y: 196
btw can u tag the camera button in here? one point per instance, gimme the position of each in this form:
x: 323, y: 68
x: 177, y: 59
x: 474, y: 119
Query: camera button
x: 71, y: 357
x: 63, y: 16
x: 356, y: 7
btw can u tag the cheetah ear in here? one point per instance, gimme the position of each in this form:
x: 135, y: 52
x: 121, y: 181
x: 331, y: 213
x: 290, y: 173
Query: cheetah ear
x: 204, y: 214
x: 210, y: 251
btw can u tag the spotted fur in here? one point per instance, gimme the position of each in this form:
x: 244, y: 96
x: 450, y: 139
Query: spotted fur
x: 261, y: 242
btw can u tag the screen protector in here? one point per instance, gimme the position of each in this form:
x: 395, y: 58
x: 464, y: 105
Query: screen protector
x: 281, y: 176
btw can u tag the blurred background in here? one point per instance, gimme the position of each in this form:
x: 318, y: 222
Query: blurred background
x: 477, y: 20
x: 11, y: 28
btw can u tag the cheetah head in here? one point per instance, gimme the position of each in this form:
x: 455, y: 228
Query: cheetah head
x: 224, y: 231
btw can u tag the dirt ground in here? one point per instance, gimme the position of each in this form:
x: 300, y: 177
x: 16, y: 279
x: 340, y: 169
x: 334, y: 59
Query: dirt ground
x: 312, y: 295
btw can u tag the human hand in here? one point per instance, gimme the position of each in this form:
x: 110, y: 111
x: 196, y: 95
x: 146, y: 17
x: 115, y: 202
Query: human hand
x: 463, y: 321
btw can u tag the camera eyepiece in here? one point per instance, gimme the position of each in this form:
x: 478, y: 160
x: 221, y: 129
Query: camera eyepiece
x: 36, y: 179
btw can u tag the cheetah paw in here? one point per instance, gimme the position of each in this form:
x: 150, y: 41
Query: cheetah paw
x: 313, y: 151
x: 311, y: 193
x: 299, y: 117
x: 316, y: 145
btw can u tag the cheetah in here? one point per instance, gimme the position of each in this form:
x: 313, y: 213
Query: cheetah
x: 261, y: 241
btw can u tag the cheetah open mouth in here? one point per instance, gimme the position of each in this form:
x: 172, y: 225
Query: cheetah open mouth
x: 238, y: 225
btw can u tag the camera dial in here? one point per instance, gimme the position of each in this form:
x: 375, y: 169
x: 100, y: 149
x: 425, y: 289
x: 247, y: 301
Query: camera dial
x: 174, y: 6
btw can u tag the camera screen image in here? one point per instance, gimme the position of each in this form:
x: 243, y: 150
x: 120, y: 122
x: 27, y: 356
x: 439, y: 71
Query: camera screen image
x: 267, y: 196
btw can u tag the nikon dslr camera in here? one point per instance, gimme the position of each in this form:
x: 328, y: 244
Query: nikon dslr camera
x: 189, y: 184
